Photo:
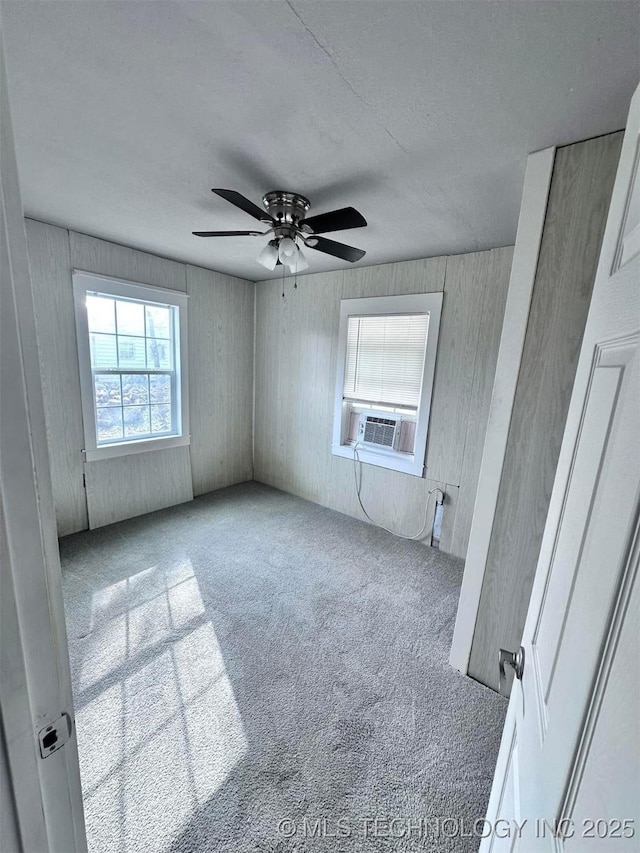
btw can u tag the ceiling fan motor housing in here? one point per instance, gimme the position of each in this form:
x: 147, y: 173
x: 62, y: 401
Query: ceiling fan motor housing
x: 286, y: 208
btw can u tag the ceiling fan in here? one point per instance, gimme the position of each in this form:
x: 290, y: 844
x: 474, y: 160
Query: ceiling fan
x: 285, y: 214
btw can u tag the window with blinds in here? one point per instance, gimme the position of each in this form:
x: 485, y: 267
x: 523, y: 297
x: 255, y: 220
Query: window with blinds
x: 384, y: 362
x: 387, y: 348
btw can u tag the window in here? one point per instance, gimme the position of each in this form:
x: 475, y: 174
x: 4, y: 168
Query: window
x: 386, y: 360
x: 132, y: 357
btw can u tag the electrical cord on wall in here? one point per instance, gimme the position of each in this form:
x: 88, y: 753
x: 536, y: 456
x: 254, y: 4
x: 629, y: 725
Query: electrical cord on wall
x: 357, y: 462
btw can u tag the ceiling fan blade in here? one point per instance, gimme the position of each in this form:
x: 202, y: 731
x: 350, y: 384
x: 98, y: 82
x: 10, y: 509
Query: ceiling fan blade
x: 228, y: 233
x: 335, y: 220
x: 244, y: 204
x: 338, y: 250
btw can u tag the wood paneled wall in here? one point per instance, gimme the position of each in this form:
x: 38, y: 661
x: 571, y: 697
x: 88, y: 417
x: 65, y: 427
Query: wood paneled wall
x: 295, y: 366
x: 220, y: 331
x: 93, y: 255
x: 296, y: 351
x: 50, y: 264
x: 579, y: 195
x: 221, y: 397
x: 126, y: 486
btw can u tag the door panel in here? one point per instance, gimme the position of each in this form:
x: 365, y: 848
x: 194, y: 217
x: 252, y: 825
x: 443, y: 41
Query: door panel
x: 591, y: 611
x: 574, y: 714
x: 612, y: 743
x: 509, y: 801
x: 578, y: 509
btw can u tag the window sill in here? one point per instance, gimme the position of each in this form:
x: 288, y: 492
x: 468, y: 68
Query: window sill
x: 128, y: 448
x: 406, y: 463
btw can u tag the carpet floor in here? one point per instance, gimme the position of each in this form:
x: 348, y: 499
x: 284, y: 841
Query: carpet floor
x: 253, y: 672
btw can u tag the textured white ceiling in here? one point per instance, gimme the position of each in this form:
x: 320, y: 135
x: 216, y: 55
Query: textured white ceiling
x: 419, y: 114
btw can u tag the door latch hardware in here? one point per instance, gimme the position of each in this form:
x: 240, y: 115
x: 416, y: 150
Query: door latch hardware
x: 513, y: 659
x: 55, y: 735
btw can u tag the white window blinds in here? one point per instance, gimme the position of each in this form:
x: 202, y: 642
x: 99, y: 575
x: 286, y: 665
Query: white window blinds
x: 385, y: 358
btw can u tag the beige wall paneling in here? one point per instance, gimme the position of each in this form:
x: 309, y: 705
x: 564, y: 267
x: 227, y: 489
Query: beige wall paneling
x: 311, y: 358
x: 220, y: 318
x: 496, y: 282
x: 127, y: 486
x: 296, y: 340
x: 578, y: 202
x: 220, y: 378
x: 464, y: 288
x: 296, y: 350
x: 271, y: 327
x: 449, y: 515
x: 55, y: 322
x: 265, y: 360
x: 467, y: 279
x: 422, y: 276
x: 393, y: 499
x: 99, y: 256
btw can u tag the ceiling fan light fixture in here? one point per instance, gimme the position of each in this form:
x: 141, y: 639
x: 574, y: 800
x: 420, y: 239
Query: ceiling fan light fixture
x: 287, y: 251
x: 299, y: 263
x: 268, y: 257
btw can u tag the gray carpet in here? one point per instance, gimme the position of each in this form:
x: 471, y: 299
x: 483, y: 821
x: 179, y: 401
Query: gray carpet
x: 252, y: 658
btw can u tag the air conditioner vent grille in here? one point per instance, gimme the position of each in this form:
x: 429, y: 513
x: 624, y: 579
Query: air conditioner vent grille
x: 380, y: 431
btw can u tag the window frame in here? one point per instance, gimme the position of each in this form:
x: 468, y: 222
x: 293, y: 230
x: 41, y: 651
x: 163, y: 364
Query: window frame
x: 88, y: 282
x: 414, y: 303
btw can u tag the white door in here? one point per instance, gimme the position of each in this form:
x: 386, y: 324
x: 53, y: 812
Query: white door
x: 569, y: 762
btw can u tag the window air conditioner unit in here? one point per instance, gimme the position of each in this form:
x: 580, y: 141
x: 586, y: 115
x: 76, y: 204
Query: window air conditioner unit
x: 379, y: 429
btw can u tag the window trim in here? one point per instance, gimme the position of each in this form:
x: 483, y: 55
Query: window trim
x: 414, y: 303
x: 121, y: 288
